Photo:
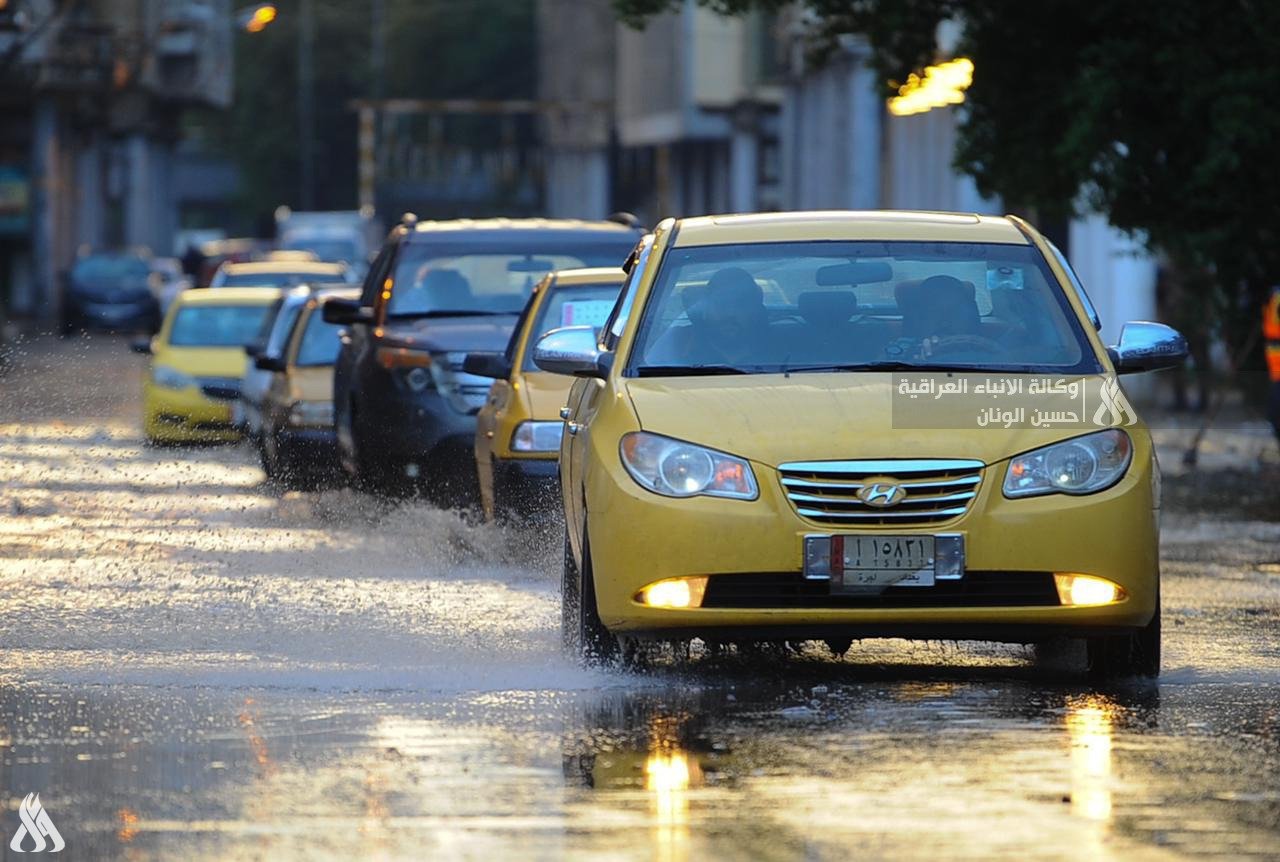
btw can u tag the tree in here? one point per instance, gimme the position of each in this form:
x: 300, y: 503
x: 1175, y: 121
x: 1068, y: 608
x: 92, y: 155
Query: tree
x: 1160, y: 115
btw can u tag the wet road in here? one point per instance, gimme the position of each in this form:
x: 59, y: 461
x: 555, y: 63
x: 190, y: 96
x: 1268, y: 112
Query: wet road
x: 194, y: 665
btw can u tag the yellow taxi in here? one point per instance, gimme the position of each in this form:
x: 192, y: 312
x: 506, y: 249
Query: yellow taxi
x: 830, y: 426
x: 297, y: 444
x: 518, y: 429
x: 198, y: 361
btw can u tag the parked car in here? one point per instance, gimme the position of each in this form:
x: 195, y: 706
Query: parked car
x: 269, y: 342
x: 280, y: 273
x: 518, y: 429
x: 297, y: 443
x: 403, y: 406
x: 110, y: 291
x: 198, y: 362
x: 759, y: 448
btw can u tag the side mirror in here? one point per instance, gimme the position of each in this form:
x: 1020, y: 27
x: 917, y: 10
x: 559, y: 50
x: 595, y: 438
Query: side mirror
x: 345, y: 312
x: 263, y: 362
x: 141, y: 345
x: 253, y: 348
x: 487, y: 365
x: 572, y: 350
x: 1146, y: 346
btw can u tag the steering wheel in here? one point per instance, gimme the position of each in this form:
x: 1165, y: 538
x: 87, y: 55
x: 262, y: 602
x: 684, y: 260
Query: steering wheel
x: 948, y: 345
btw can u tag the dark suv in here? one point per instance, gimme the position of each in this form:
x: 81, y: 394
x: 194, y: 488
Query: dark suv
x: 404, y: 409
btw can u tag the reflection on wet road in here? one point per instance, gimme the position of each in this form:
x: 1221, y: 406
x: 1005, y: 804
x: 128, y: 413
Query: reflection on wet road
x: 196, y: 666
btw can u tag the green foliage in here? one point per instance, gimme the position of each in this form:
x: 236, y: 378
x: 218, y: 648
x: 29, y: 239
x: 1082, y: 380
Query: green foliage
x: 1161, y: 115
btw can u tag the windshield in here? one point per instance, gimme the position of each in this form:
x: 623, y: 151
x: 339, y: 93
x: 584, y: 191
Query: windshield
x: 771, y: 307
x: 571, y: 305
x: 335, y: 249
x: 110, y: 268
x: 488, y: 278
x: 320, y: 344
x: 279, y: 279
x: 216, y: 325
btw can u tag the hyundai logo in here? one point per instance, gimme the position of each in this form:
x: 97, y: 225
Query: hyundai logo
x: 881, y: 494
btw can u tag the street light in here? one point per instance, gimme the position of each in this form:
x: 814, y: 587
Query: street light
x: 254, y: 19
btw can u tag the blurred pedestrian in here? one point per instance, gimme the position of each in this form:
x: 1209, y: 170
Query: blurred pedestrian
x: 1271, y: 335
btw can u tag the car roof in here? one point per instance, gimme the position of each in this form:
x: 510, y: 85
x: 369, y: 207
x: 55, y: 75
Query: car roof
x: 486, y: 228
x: 258, y: 267
x: 229, y: 296
x: 589, y: 275
x: 886, y: 225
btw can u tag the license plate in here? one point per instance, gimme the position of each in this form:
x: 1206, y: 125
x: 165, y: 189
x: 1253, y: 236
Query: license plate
x: 872, y: 563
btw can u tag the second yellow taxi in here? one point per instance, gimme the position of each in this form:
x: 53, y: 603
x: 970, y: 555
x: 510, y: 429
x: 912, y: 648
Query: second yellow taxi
x: 518, y: 428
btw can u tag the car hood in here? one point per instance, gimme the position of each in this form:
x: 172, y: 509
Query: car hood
x: 451, y: 334
x: 772, y: 419
x: 204, y: 361
x: 547, y: 393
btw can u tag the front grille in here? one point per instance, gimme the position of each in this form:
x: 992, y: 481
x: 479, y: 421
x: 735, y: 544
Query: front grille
x: 936, y: 490
x: 221, y: 388
x: 977, y: 589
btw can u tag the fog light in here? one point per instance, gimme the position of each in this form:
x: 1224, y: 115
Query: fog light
x: 674, y: 593
x: 1086, y: 589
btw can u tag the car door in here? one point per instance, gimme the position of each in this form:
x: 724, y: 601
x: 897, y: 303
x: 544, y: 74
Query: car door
x: 357, y: 349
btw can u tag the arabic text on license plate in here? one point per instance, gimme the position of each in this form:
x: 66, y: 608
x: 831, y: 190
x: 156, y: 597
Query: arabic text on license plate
x: 884, y: 561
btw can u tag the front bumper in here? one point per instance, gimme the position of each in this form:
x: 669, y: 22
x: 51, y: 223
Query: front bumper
x: 411, y: 428
x: 186, y: 416
x: 136, y: 314
x: 309, y: 447
x: 637, y: 538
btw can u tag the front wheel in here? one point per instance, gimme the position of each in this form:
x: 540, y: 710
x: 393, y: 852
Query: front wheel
x: 582, y: 633
x: 1136, y: 654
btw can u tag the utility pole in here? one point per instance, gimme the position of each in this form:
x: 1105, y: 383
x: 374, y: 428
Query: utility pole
x: 306, y: 102
x: 367, y: 140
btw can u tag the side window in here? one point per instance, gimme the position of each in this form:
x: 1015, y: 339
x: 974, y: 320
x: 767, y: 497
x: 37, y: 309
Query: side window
x: 377, y: 274
x: 622, y: 310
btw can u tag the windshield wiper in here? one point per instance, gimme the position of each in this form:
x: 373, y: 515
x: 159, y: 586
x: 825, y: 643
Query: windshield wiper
x: 898, y: 365
x: 687, y: 370
x: 441, y: 312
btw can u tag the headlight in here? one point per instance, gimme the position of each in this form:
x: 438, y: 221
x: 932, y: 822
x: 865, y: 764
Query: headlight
x: 537, y: 437
x: 171, y: 378
x: 677, y: 469
x: 309, y: 413
x: 1084, y: 465
x: 418, y: 379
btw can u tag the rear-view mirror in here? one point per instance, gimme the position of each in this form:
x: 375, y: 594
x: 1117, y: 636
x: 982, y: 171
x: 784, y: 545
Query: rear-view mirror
x: 345, y: 312
x: 854, y: 272
x: 531, y: 264
x: 493, y: 365
x: 264, y: 362
x: 1147, y: 346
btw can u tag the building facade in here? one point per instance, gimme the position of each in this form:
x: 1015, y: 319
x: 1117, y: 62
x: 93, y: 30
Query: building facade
x: 92, y: 94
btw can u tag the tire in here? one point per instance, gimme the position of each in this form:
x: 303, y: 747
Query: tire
x: 1131, y: 655
x: 582, y: 632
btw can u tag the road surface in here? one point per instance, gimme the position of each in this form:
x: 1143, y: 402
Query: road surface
x: 194, y: 665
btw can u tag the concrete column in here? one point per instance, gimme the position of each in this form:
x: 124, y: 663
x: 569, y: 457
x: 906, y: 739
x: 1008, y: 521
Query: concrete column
x: 578, y: 183
x: 866, y: 116
x: 40, y: 295
x: 139, y: 193
x: 89, y: 194
x: 743, y: 171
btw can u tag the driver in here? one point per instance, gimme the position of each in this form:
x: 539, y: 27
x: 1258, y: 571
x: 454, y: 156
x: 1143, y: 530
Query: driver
x: 729, y: 325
